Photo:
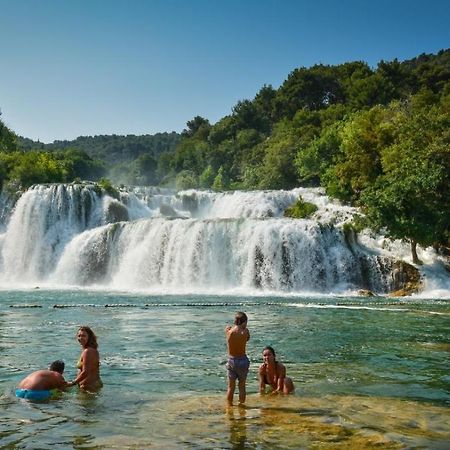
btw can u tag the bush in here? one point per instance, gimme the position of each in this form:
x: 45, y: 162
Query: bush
x: 107, y: 187
x: 300, y: 210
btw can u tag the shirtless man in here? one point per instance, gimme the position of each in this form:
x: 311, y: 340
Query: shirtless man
x: 39, y: 384
x: 238, y: 363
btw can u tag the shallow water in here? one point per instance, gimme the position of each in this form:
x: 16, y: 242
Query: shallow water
x: 368, y: 372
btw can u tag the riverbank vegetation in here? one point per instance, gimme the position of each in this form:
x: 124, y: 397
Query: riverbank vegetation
x: 378, y: 138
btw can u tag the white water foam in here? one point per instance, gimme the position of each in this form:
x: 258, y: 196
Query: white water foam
x: 231, y: 242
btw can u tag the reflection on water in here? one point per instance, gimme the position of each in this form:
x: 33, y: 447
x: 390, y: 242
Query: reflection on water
x: 294, y: 422
x: 365, y: 378
x: 238, y: 427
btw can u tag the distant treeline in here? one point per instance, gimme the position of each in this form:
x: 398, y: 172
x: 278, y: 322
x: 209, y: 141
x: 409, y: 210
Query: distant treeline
x: 127, y: 159
x: 376, y: 138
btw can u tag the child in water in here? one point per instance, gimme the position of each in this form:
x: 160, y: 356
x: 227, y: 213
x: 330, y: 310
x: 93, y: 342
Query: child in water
x: 238, y: 363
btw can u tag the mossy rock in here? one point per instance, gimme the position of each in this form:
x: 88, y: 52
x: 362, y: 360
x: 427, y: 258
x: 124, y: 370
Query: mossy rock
x: 300, y: 210
x: 106, y: 186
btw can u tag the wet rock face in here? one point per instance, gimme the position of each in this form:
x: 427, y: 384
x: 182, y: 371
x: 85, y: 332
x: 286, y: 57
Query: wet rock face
x: 405, y: 279
x: 169, y: 211
x: 116, y: 212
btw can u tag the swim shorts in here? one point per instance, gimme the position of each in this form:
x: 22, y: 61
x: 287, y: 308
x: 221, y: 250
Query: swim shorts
x: 238, y: 367
x: 32, y: 394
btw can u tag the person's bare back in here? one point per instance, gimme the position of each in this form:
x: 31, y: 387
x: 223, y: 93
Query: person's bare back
x: 43, y: 380
x: 237, y: 337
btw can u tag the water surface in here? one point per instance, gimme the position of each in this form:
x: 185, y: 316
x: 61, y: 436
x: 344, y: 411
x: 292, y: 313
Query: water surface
x: 368, y: 372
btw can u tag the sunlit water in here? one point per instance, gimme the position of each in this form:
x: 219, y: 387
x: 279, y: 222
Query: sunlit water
x: 369, y: 373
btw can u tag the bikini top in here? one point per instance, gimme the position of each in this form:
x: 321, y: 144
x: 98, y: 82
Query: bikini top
x: 80, y: 364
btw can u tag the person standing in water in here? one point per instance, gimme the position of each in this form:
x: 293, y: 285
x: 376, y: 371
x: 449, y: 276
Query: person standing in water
x: 273, y: 373
x: 238, y: 364
x: 43, y: 384
x: 88, y: 365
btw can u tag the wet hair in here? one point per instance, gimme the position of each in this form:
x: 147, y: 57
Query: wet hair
x: 92, y: 338
x: 57, y: 366
x: 240, y: 318
x: 271, y: 350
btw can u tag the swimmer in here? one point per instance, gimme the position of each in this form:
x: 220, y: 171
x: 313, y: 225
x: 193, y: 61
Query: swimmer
x: 43, y: 384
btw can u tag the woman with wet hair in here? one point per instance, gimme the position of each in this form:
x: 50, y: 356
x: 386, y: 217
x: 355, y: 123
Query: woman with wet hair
x: 88, y: 365
x: 273, y: 374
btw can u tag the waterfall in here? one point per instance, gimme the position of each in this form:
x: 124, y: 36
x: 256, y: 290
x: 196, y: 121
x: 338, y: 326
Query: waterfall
x: 150, y: 239
x: 44, y: 220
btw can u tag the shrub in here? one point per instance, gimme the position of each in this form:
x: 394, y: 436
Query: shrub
x: 300, y: 210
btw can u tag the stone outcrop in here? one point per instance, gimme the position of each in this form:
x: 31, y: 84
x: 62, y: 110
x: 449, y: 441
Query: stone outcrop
x: 405, y: 279
x: 365, y: 293
x: 168, y: 211
x: 116, y: 212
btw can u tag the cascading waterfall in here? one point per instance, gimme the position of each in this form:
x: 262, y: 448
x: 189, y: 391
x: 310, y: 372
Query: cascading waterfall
x: 76, y: 235
x: 273, y: 255
x: 44, y: 220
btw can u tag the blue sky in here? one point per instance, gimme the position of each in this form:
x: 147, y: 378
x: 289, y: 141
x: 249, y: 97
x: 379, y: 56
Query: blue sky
x: 89, y: 67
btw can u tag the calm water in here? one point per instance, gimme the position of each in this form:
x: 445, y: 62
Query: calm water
x: 368, y: 372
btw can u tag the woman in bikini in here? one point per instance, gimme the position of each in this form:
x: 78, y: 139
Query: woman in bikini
x: 88, y: 365
x: 273, y: 373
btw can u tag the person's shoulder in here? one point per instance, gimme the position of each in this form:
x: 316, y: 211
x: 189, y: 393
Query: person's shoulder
x: 90, y: 351
x: 42, y: 373
x: 262, y: 368
x: 58, y: 376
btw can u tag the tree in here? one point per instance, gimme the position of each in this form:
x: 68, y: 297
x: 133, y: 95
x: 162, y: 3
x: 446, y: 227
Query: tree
x: 220, y: 181
x: 370, y: 91
x: 207, y: 177
x: 263, y: 102
x: 411, y: 199
x: 80, y: 165
x: 194, y: 125
x: 314, y: 88
x: 278, y: 169
x: 7, y: 138
x: 357, y: 164
x: 247, y: 116
x: 147, y: 166
x: 38, y: 167
x: 186, y: 179
x: 313, y: 160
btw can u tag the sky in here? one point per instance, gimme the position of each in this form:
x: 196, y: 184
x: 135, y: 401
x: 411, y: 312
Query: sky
x: 90, y: 67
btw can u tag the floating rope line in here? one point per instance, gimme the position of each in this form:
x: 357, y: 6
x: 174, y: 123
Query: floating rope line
x: 25, y: 306
x: 220, y: 304
x: 148, y: 305
x: 80, y: 305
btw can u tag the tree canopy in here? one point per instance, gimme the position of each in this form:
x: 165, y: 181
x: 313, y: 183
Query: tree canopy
x: 373, y: 137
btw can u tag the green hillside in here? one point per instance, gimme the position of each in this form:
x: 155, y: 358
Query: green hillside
x: 377, y: 137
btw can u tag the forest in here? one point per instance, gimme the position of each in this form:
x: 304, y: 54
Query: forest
x: 377, y: 138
